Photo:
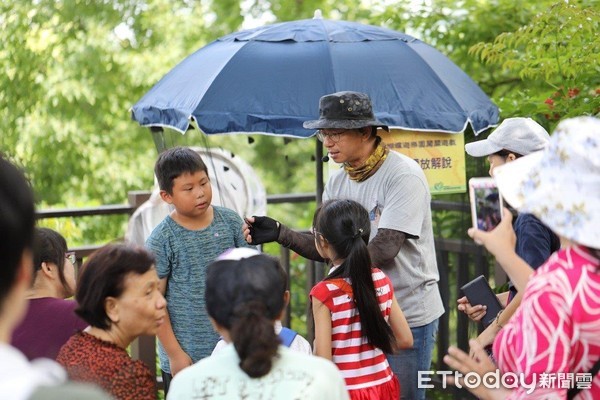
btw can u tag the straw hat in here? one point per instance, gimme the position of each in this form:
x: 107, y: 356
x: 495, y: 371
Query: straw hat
x: 560, y: 184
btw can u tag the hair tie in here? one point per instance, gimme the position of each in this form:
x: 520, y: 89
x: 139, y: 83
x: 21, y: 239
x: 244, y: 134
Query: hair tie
x: 358, y: 233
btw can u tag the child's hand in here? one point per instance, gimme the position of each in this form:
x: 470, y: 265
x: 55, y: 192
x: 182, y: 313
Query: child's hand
x: 475, y: 312
x: 259, y: 230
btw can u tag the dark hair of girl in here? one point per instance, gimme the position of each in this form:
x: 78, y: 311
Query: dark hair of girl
x: 244, y: 296
x: 345, y: 225
x: 50, y: 247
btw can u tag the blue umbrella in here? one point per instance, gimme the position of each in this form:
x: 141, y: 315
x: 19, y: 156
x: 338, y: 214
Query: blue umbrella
x: 269, y: 80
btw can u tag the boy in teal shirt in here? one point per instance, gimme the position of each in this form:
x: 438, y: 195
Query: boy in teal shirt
x: 184, y: 243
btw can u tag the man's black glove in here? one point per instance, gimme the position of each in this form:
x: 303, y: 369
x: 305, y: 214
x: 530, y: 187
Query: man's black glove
x: 264, y: 230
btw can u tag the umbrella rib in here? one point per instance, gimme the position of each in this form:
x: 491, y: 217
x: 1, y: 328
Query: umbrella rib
x: 329, y: 54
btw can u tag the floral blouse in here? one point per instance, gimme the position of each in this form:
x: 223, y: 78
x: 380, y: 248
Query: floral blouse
x: 554, y: 337
x: 89, y: 359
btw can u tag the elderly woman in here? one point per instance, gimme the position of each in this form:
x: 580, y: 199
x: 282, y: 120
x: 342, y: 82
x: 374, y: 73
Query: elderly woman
x: 118, y: 296
x: 48, y: 310
x: 552, y: 341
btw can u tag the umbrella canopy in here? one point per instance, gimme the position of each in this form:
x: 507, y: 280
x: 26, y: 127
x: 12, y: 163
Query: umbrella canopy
x: 269, y: 80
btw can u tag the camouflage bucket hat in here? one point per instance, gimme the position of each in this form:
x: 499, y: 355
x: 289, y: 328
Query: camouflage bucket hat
x: 345, y: 110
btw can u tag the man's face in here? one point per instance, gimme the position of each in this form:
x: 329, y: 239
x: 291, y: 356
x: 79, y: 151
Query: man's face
x: 345, y: 145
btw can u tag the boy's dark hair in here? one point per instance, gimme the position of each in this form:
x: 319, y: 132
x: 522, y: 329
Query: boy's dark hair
x: 174, y: 162
x: 50, y: 246
x: 103, y: 275
x: 244, y: 296
x: 17, y: 219
x: 345, y: 225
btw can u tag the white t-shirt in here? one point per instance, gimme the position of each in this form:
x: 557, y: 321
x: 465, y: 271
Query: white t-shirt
x: 19, y: 378
x: 299, y: 344
x: 397, y: 197
x: 292, y: 376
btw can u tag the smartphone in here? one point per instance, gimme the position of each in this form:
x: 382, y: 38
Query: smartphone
x: 486, y: 203
x: 478, y: 291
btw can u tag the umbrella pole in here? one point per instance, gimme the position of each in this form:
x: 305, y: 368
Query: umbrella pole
x: 318, y: 270
x: 158, y: 135
x: 319, y: 171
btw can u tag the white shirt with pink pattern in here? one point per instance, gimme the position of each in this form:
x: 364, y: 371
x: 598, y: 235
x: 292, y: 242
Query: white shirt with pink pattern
x: 554, y: 337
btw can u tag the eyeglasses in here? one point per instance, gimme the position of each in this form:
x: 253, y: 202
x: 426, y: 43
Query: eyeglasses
x: 332, y: 134
x: 71, y: 257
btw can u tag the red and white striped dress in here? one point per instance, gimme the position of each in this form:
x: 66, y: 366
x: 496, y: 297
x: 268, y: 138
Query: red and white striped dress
x: 363, y: 366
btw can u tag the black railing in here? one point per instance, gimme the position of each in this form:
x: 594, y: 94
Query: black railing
x: 459, y: 261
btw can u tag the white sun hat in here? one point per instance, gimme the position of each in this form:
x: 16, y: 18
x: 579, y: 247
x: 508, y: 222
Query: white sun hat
x: 519, y: 135
x: 560, y: 184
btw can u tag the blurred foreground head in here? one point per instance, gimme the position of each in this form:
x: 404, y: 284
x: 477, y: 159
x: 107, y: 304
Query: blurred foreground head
x: 17, y: 219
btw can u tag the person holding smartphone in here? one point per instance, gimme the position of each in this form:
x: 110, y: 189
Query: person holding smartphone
x: 555, y: 332
x: 514, y: 138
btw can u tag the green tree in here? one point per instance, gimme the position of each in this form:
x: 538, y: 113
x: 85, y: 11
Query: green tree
x: 71, y: 72
x: 558, y: 49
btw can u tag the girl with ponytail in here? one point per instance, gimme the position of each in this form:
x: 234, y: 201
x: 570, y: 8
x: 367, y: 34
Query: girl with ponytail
x: 243, y: 300
x: 357, y: 317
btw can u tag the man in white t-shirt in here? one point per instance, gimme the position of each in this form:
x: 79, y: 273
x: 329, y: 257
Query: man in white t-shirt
x: 394, y: 190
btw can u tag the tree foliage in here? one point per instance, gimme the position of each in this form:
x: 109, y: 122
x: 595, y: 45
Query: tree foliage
x: 65, y: 105
x: 559, y: 49
x: 71, y: 70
